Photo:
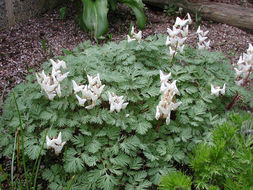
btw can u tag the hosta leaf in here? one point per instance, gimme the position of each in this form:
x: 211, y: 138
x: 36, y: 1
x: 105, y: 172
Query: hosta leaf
x: 95, y: 16
x: 137, y: 8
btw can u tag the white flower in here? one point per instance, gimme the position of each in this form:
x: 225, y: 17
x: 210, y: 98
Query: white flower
x: 222, y: 91
x: 180, y: 48
x: 181, y: 41
x: 61, y: 77
x: 80, y: 100
x: 55, y: 143
x: 51, y: 84
x: 238, y: 72
x: 184, y: 32
x: 129, y: 39
x: 157, y: 115
x: 173, y: 32
x: 167, y: 41
x: 58, y: 90
x: 201, y: 32
x: 201, y: 47
x: 58, y: 64
x: 202, y: 44
x: 76, y: 87
x: 216, y: 90
x: 91, y: 106
x: 172, y: 52
x: 189, y: 18
x: 180, y: 22
x: 167, y: 86
x: 202, y: 39
x: 163, y: 77
x: 50, y: 95
x: 250, y: 49
x: 207, y: 44
x: 239, y: 82
x: 116, y: 102
x: 138, y: 36
x: 135, y: 36
x: 175, y: 105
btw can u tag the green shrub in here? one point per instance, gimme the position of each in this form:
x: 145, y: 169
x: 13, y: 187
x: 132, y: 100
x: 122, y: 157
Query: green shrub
x: 109, y: 150
x: 228, y: 161
x: 175, y: 181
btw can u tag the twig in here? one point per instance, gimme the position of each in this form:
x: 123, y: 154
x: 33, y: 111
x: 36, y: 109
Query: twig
x: 236, y: 97
x: 159, y: 124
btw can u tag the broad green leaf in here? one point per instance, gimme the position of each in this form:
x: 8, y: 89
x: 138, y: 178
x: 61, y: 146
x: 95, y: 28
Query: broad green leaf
x: 95, y: 16
x: 137, y: 7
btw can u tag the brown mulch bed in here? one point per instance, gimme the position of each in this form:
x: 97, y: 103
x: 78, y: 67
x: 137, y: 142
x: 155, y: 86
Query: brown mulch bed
x: 21, y: 51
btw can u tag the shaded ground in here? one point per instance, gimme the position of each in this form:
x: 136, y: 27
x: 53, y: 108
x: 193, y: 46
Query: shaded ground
x: 21, y: 50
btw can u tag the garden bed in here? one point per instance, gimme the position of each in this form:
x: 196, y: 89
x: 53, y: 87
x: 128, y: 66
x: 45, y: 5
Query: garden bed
x: 22, y: 53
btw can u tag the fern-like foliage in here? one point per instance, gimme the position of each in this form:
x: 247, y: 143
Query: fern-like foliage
x: 227, y: 163
x: 109, y: 150
x: 174, y: 181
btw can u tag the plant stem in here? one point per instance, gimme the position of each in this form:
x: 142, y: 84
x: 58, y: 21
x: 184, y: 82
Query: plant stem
x: 159, y: 124
x: 38, y: 160
x: 173, y: 56
x: 231, y: 104
x: 102, y: 102
x: 70, y: 182
x: 22, y: 140
x: 18, y: 149
x: 12, y: 162
x: 5, y: 176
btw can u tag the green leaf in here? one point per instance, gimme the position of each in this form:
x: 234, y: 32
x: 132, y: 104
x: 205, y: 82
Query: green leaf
x: 72, y: 163
x: 137, y: 8
x: 89, y: 160
x: 142, y: 127
x: 93, y: 146
x: 95, y: 16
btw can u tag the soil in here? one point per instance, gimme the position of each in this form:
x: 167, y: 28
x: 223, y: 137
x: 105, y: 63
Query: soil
x: 22, y: 52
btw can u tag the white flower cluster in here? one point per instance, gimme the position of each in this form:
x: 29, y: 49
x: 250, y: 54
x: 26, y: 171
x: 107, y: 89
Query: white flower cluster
x: 244, y: 66
x: 178, y: 34
x: 203, y: 44
x: 167, y: 103
x: 55, y: 143
x: 217, y: 90
x: 90, y: 92
x: 116, y: 102
x: 134, y: 36
x: 51, y: 84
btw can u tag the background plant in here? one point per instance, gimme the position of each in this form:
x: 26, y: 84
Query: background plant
x: 94, y: 14
x: 225, y: 162
x: 109, y: 150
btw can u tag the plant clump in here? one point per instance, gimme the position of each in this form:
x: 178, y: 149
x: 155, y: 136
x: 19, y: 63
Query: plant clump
x: 114, y: 143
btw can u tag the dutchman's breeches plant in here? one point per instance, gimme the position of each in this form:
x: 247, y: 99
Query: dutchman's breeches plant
x: 124, y: 114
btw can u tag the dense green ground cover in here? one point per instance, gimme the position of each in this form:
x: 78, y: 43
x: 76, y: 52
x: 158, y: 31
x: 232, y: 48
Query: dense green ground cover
x: 116, y: 150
